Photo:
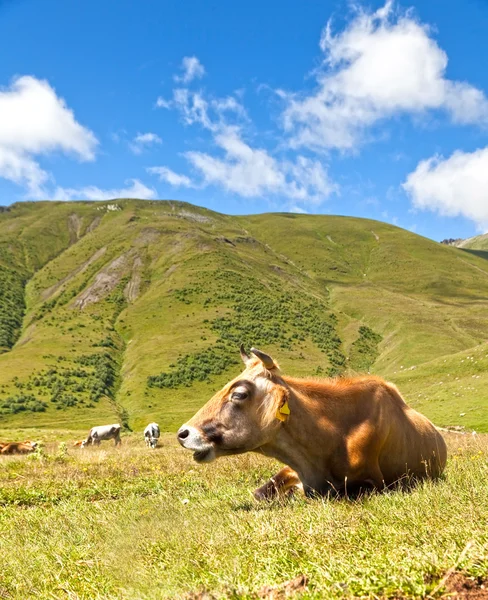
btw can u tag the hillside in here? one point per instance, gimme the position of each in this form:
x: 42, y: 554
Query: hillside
x: 478, y: 242
x: 134, y: 310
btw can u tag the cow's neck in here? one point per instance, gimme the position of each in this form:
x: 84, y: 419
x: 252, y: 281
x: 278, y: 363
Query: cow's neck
x: 296, y: 442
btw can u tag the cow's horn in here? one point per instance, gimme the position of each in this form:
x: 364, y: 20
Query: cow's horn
x: 244, y: 355
x: 267, y: 361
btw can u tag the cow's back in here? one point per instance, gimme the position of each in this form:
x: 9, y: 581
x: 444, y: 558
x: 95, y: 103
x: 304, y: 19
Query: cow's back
x: 364, y: 427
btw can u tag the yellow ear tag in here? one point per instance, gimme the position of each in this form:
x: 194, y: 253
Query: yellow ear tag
x: 283, y: 412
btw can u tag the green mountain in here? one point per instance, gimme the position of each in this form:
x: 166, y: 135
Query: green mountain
x: 134, y: 310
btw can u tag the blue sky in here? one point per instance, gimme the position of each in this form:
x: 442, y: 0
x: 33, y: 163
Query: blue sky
x: 374, y: 110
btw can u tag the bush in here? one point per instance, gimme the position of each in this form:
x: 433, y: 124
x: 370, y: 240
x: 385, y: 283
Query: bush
x: 258, y: 315
x: 364, y: 350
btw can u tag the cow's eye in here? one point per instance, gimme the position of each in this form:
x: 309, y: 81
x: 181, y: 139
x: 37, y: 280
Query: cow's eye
x: 239, y: 395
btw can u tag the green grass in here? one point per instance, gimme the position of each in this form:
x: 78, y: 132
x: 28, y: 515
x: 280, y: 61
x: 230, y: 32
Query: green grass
x: 134, y: 523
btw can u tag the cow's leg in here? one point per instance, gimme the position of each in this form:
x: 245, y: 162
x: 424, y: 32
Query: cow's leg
x: 118, y: 441
x: 364, y: 474
x: 279, y: 485
x: 363, y: 450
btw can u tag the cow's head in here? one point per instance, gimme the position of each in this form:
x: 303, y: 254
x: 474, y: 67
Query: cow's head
x: 243, y: 416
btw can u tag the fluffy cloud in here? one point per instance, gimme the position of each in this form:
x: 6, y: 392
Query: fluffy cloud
x: 35, y: 121
x: 253, y: 172
x: 134, y: 189
x: 192, y: 69
x: 143, y: 140
x: 381, y: 65
x: 169, y: 176
x: 454, y: 186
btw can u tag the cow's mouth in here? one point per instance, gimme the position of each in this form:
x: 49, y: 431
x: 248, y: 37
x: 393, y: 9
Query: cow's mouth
x: 204, y: 456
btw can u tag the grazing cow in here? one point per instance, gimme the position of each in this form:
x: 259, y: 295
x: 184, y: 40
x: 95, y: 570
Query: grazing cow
x: 19, y: 447
x: 103, y: 432
x: 151, y: 435
x: 333, y: 434
x: 78, y: 444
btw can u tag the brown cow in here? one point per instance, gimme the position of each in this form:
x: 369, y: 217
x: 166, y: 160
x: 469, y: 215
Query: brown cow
x: 334, y: 434
x: 19, y: 447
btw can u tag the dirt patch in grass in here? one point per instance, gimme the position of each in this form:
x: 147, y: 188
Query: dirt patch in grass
x: 132, y: 289
x: 460, y: 585
x: 105, y: 281
x: 287, y: 589
x: 74, y: 226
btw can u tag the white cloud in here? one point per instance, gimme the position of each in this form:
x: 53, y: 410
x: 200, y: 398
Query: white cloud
x: 192, y: 69
x: 143, y: 140
x: 19, y: 168
x: 193, y: 108
x: 162, y: 103
x: 253, y: 172
x: 35, y: 121
x: 456, y: 186
x: 298, y: 209
x: 171, y: 177
x: 134, y: 189
x: 381, y: 65
x: 210, y: 114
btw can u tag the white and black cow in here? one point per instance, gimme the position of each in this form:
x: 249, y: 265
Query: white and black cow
x: 151, y: 435
x: 103, y: 432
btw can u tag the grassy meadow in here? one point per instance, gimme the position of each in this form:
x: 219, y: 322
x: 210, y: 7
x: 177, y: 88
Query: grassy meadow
x: 132, y: 523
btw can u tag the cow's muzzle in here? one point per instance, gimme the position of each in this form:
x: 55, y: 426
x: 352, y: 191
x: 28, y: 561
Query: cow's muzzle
x: 192, y: 439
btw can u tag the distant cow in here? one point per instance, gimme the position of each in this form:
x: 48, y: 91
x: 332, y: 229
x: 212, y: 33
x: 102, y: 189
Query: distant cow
x: 334, y: 434
x: 103, y: 432
x: 151, y: 435
x: 18, y: 447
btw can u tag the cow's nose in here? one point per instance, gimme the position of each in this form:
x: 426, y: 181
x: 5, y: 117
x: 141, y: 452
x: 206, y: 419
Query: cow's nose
x: 183, y: 433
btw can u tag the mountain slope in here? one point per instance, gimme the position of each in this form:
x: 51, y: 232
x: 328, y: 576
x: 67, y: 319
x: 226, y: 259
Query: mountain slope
x: 134, y: 310
x: 478, y: 242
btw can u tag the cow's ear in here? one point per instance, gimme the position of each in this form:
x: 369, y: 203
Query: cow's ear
x: 280, y: 406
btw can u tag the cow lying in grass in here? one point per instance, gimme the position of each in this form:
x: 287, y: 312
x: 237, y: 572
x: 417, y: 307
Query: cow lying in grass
x: 333, y: 434
x: 103, y: 432
x: 18, y: 447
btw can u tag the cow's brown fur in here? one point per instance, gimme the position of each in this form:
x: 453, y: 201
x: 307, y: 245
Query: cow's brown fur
x: 340, y: 433
x: 18, y: 448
